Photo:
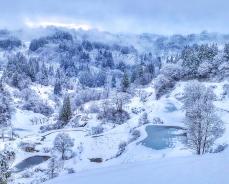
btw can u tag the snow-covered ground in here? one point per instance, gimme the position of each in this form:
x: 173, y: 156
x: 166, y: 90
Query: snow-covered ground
x: 208, y: 169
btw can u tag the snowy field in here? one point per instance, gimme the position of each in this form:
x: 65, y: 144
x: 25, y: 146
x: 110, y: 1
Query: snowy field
x: 208, y: 169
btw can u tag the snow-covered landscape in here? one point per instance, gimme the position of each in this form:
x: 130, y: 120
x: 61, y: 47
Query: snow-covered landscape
x: 86, y: 105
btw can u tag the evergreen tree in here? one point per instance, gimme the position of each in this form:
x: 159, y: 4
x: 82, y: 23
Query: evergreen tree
x: 15, y: 80
x: 151, y: 69
x: 43, y: 75
x: 140, y: 75
x: 113, y: 82
x: 57, y: 88
x: 65, y: 112
x: 125, y: 82
x: 226, y: 51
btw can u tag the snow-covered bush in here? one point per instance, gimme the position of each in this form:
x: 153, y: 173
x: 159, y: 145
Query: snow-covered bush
x: 79, y: 150
x: 27, y: 174
x: 71, y: 171
x: 121, y: 148
x: 39, y: 180
x: 135, y: 134
x: 157, y: 121
x: 219, y: 148
x: 74, y: 122
x: 226, y: 90
x: 143, y: 119
x: 46, y: 149
x: 143, y: 96
x: 137, y: 110
x: 27, y: 147
x: 97, y: 130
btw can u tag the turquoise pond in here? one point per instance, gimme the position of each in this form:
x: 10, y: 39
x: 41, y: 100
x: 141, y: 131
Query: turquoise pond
x: 162, y: 137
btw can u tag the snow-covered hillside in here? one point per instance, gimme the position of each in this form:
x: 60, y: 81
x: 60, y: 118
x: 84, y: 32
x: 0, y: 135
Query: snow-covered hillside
x: 94, y: 107
x: 208, y: 169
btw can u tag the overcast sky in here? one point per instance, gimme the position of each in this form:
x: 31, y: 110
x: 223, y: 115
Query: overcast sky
x: 134, y: 16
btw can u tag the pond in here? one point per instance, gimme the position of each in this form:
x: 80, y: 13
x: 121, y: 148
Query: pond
x: 30, y: 162
x: 162, y: 137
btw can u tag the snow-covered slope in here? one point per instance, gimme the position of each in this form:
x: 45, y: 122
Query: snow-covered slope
x: 208, y: 169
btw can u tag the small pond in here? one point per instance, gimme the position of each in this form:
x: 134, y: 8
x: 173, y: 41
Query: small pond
x: 162, y: 137
x: 30, y: 162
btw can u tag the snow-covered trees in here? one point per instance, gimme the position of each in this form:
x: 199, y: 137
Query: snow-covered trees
x: 37, y: 105
x: 203, y: 125
x: 99, y: 78
x: 63, y: 144
x: 105, y: 59
x: 194, y: 56
x: 37, y: 43
x: 4, y: 169
x: 6, y: 158
x: 204, y: 69
x: 173, y: 71
x: 162, y: 84
x: 21, y: 71
x: 86, y: 78
x: 142, y: 74
x: 10, y: 43
x: 89, y: 79
x: 226, y: 51
x: 16, y: 72
x: 114, y: 112
x: 5, y: 110
x: 66, y: 111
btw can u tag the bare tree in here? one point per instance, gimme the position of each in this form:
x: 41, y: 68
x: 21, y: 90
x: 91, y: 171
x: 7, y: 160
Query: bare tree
x: 63, y: 143
x: 53, y: 167
x: 203, y: 125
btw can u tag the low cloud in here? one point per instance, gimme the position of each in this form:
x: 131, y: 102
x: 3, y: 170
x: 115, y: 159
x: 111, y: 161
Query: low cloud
x: 135, y: 16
